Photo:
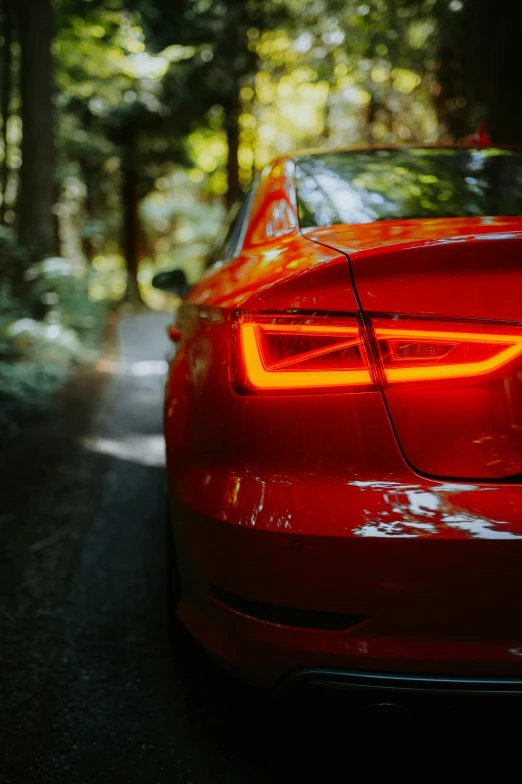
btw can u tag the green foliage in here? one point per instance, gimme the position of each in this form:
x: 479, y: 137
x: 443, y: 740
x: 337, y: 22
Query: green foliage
x: 38, y: 353
x: 27, y: 388
x: 62, y: 294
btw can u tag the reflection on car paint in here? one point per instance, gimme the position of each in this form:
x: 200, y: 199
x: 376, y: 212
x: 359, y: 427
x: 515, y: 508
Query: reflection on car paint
x: 392, y: 509
x: 421, y: 511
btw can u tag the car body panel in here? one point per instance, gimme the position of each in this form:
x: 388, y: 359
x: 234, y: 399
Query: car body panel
x: 295, y: 273
x: 431, y: 605
x: 470, y: 268
x: 456, y: 267
x: 278, y: 269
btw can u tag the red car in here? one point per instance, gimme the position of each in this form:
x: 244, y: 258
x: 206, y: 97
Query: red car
x: 343, y: 422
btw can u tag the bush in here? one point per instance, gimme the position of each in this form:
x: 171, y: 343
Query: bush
x: 26, y: 388
x: 47, y: 326
x: 59, y: 292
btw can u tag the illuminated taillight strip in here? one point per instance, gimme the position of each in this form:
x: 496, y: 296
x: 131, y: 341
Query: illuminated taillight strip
x: 256, y: 369
x: 263, y: 378
x: 512, y: 343
x: 310, y: 329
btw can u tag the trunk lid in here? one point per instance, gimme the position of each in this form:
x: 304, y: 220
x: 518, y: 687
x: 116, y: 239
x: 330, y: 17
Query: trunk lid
x: 456, y: 275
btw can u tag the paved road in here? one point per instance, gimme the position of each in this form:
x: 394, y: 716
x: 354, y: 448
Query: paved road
x: 91, y: 689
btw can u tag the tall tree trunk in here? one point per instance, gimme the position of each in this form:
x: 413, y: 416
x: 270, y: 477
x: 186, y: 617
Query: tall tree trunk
x: 7, y: 24
x: 89, y: 175
x: 232, y: 130
x: 503, y: 85
x: 479, y: 68
x: 131, y: 219
x: 37, y: 188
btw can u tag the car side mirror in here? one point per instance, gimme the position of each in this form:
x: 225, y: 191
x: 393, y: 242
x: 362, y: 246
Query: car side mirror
x: 174, y: 281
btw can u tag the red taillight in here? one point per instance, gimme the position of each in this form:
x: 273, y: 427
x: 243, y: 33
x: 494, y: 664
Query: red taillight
x: 299, y: 353
x: 293, y: 354
x: 413, y: 350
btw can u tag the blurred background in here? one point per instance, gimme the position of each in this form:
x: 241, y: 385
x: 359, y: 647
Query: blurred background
x: 127, y: 126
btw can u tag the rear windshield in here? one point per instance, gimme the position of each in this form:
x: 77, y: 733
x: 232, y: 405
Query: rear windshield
x: 373, y: 185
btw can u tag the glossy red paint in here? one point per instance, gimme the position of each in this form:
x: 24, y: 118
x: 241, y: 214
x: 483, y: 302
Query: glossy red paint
x: 399, y: 515
x: 464, y: 268
x: 453, y: 269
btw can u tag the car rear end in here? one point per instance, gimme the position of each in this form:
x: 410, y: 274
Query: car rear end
x: 349, y: 501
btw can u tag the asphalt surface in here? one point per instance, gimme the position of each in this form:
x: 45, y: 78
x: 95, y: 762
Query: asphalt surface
x: 91, y: 689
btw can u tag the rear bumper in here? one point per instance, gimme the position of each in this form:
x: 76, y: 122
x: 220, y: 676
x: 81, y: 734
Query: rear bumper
x: 408, y: 633
x: 371, y: 655
x: 439, y: 599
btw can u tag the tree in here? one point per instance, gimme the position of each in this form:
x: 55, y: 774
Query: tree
x: 135, y: 130
x: 225, y: 59
x: 37, y: 180
x: 478, y: 67
x: 112, y: 113
x: 7, y: 25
